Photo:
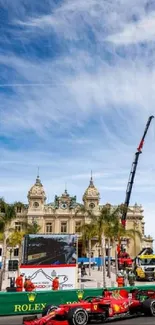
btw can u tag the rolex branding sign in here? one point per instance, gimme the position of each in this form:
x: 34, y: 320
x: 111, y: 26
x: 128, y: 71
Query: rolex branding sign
x: 30, y: 306
x: 20, y: 303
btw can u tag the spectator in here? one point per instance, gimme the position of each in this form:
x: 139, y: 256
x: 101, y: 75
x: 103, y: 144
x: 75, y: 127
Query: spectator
x: 131, y: 278
x: 28, y: 285
x: 55, y: 283
x: 20, y: 283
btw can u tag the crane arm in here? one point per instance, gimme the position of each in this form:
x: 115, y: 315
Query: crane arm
x: 133, y: 172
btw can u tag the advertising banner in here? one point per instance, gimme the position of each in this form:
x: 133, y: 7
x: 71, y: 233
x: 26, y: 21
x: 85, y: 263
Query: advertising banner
x: 50, y: 250
x: 43, y: 276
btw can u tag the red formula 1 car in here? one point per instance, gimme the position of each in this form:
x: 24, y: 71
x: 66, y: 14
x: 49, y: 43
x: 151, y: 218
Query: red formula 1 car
x: 112, y: 305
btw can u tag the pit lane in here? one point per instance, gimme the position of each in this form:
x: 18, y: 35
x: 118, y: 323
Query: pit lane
x: 17, y: 320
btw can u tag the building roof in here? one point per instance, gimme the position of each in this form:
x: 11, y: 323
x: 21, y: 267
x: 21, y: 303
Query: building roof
x: 91, y: 191
x: 37, y: 190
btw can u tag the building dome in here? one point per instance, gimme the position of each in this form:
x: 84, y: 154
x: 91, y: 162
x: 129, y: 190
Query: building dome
x: 37, y: 190
x: 91, y: 192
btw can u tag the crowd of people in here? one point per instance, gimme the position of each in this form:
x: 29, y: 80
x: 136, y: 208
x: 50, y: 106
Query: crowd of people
x: 22, y: 284
x: 125, y: 277
x: 28, y: 286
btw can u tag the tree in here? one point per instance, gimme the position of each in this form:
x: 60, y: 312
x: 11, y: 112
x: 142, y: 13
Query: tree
x: 107, y: 219
x: 88, y: 232
x: 7, y: 214
x: 88, y: 214
x: 109, y: 226
x: 16, y: 237
x: 19, y: 205
x: 31, y: 228
x: 117, y: 231
x: 100, y: 225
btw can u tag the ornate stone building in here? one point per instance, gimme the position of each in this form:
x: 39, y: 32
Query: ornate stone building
x: 61, y: 216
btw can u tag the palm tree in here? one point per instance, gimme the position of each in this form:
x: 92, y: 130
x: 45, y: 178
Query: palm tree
x: 118, y: 232
x: 19, y: 205
x: 31, y: 228
x: 16, y: 237
x: 7, y: 214
x: 81, y: 209
x: 88, y: 214
x: 107, y: 218
x: 100, y: 226
x: 99, y: 223
x: 109, y: 226
x: 88, y: 232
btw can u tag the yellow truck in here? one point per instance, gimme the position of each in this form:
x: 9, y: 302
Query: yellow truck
x: 144, y: 267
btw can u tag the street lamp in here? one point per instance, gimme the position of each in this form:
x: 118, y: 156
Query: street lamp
x: 11, y: 251
x: 10, y: 266
x: 104, y: 261
x: 11, y: 275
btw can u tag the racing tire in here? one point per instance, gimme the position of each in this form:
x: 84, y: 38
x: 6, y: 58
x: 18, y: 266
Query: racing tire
x: 148, y: 307
x: 48, y: 309
x: 77, y: 316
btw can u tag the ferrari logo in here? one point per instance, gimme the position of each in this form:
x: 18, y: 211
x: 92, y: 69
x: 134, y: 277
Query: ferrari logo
x: 95, y: 307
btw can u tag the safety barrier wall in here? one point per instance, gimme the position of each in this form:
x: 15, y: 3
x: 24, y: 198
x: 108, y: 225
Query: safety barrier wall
x: 18, y: 303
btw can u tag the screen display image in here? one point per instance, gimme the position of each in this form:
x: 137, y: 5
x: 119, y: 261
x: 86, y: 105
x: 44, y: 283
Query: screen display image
x: 50, y: 249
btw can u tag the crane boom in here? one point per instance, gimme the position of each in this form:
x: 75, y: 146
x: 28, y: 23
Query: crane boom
x: 133, y: 172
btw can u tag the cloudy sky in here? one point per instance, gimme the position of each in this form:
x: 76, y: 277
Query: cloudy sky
x: 77, y: 84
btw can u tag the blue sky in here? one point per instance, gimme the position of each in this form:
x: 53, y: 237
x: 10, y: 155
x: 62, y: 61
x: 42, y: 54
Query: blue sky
x: 77, y: 85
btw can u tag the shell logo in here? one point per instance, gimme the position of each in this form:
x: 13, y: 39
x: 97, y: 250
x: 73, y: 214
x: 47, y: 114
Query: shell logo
x: 116, y: 308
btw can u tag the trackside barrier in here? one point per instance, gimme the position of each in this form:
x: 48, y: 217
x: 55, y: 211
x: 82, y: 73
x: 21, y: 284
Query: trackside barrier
x: 18, y: 303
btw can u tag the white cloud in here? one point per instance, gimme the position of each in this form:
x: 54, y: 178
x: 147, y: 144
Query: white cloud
x: 70, y: 18
x: 71, y: 98
x: 141, y: 31
x: 84, y: 109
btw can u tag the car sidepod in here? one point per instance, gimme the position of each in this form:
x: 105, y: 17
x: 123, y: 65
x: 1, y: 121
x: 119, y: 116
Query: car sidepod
x: 77, y: 316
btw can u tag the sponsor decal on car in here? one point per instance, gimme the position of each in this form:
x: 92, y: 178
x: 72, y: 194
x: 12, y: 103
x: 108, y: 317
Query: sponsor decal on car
x: 116, y: 308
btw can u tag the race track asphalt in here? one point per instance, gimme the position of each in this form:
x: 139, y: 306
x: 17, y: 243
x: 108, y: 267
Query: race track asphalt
x: 17, y: 320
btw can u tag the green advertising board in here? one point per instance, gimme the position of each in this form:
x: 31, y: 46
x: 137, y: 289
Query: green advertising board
x: 18, y: 303
x: 15, y: 303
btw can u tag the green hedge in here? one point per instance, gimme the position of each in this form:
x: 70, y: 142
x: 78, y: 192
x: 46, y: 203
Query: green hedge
x: 18, y: 303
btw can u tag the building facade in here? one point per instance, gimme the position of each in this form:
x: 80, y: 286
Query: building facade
x: 61, y: 216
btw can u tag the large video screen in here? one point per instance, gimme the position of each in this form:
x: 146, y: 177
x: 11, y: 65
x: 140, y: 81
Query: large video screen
x: 50, y: 249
